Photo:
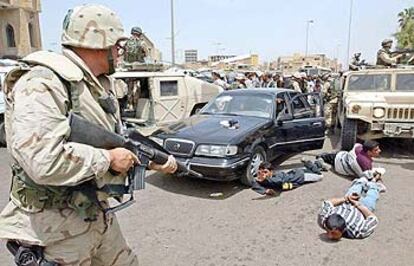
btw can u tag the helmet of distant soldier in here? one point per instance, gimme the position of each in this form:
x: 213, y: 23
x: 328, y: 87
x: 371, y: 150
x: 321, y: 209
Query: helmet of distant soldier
x: 91, y: 26
x: 357, y: 54
x: 136, y: 30
x: 386, y: 42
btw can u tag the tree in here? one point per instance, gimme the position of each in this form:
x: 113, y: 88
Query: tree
x: 405, y: 34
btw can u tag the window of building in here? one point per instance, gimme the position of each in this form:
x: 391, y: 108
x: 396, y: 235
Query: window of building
x: 31, y: 35
x: 11, y: 42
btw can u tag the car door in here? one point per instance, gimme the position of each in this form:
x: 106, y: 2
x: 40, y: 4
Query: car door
x: 308, y: 121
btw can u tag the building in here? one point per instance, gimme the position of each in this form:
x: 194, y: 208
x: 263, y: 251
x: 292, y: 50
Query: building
x: 191, y: 56
x: 240, y: 62
x: 217, y: 58
x: 291, y: 64
x: 20, y: 28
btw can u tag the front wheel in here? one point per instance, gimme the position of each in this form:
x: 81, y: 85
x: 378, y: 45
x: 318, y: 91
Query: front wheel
x: 348, y: 134
x: 258, y: 157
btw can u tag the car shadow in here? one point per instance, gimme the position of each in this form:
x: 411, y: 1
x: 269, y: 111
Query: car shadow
x: 201, y: 188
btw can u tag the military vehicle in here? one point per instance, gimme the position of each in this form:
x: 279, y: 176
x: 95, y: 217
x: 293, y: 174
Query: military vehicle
x: 376, y: 103
x: 156, y: 98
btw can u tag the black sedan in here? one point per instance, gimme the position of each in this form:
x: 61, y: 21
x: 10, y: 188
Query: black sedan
x: 239, y: 129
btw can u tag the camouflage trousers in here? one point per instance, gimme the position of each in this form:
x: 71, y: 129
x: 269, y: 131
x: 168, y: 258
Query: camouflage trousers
x: 94, y: 247
x: 330, y: 114
x: 67, y: 239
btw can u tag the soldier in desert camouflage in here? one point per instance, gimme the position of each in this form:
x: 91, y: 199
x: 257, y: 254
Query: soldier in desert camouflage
x: 57, y: 195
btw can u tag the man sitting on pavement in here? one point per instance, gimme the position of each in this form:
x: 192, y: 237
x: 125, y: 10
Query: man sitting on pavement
x: 269, y: 182
x: 357, y: 162
x: 351, y: 216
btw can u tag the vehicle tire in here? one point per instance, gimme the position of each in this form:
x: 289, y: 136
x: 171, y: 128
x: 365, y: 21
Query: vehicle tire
x: 258, y: 156
x: 348, y: 134
x: 197, y: 108
x: 2, y: 135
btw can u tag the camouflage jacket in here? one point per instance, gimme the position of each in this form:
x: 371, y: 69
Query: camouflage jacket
x: 36, y: 127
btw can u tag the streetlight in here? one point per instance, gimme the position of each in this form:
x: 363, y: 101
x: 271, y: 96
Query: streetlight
x: 307, y: 35
x: 172, y: 34
x: 349, y: 34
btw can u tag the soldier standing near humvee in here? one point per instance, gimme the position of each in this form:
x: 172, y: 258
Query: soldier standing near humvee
x: 135, y: 49
x: 385, y: 56
x: 60, y: 188
x: 330, y: 99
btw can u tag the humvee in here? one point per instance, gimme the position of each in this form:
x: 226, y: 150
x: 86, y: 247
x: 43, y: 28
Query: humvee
x: 156, y: 99
x: 376, y: 103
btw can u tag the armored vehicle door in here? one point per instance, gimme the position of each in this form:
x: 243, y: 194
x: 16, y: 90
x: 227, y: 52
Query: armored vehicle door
x: 169, y: 99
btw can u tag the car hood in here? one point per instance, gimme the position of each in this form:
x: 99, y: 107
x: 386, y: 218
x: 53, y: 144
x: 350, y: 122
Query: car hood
x: 380, y: 97
x: 214, y: 129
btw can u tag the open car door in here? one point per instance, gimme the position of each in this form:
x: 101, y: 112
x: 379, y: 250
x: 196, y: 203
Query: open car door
x: 308, y: 117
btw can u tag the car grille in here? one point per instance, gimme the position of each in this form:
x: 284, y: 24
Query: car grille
x: 180, y: 147
x: 403, y: 114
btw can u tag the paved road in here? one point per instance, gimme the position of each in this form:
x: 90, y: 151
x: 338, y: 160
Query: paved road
x: 175, y: 222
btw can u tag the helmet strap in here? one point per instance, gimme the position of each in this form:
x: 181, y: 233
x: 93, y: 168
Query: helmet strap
x: 111, y: 62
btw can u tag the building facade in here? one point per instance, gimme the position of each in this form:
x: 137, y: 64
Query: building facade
x: 240, y: 62
x: 20, y: 28
x: 216, y: 58
x: 191, y: 56
x: 291, y: 64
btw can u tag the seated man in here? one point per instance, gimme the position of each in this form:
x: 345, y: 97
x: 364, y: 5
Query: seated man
x: 357, y: 162
x: 268, y: 181
x: 351, y: 216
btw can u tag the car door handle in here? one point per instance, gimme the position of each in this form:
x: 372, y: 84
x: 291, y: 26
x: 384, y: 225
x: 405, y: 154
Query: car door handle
x: 316, y: 124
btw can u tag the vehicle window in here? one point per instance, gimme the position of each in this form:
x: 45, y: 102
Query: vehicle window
x: 378, y: 82
x: 168, y: 88
x: 405, y: 82
x: 245, y: 105
x: 281, y: 105
x: 300, y: 109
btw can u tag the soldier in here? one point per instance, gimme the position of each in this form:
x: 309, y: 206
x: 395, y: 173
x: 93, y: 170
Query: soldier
x: 330, y: 99
x: 135, y: 49
x: 58, y: 193
x: 384, y: 55
x: 355, y: 62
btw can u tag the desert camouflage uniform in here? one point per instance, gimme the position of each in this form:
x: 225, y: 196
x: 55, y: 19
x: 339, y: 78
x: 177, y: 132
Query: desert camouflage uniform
x: 36, y: 120
x: 331, y: 102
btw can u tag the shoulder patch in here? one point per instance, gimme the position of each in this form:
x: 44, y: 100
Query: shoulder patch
x: 60, y: 64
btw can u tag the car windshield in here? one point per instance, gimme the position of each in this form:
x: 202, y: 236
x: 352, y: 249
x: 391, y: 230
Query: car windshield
x: 245, y: 105
x: 377, y: 82
x: 405, y: 82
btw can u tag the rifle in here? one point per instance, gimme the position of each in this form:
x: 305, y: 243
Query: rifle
x: 85, y: 132
x: 403, y: 51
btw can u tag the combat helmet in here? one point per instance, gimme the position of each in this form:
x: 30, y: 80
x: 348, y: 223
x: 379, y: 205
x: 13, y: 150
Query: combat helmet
x: 386, y: 41
x: 91, y: 26
x: 136, y: 30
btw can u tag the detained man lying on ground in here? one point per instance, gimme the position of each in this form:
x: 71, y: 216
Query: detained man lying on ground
x: 357, y: 162
x: 352, y: 215
x: 269, y: 182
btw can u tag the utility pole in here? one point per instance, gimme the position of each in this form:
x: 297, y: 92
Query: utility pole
x: 172, y: 34
x: 349, y: 35
x: 307, y: 36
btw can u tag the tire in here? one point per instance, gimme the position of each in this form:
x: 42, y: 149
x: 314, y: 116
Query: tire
x: 2, y: 135
x: 258, y: 156
x: 348, y: 134
x: 197, y: 108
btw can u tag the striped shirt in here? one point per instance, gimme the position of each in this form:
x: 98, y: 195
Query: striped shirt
x: 357, y: 226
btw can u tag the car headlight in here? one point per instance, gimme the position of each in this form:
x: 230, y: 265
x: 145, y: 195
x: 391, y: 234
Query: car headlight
x: 216, y: 150
x: 157, y: 140
x: 379, y: 112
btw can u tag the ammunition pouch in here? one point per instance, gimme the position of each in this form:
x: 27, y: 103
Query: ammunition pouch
x: 32, y: 197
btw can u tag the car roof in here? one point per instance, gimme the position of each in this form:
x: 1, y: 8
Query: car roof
x: 267, y: 91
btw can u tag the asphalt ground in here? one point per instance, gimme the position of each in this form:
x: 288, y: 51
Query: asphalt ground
x: 176, y: 222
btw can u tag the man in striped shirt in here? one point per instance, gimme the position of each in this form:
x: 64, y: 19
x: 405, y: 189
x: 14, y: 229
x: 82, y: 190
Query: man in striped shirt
x: 351, y: 216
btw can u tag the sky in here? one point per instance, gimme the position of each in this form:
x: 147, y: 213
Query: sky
x: 270, y: 28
